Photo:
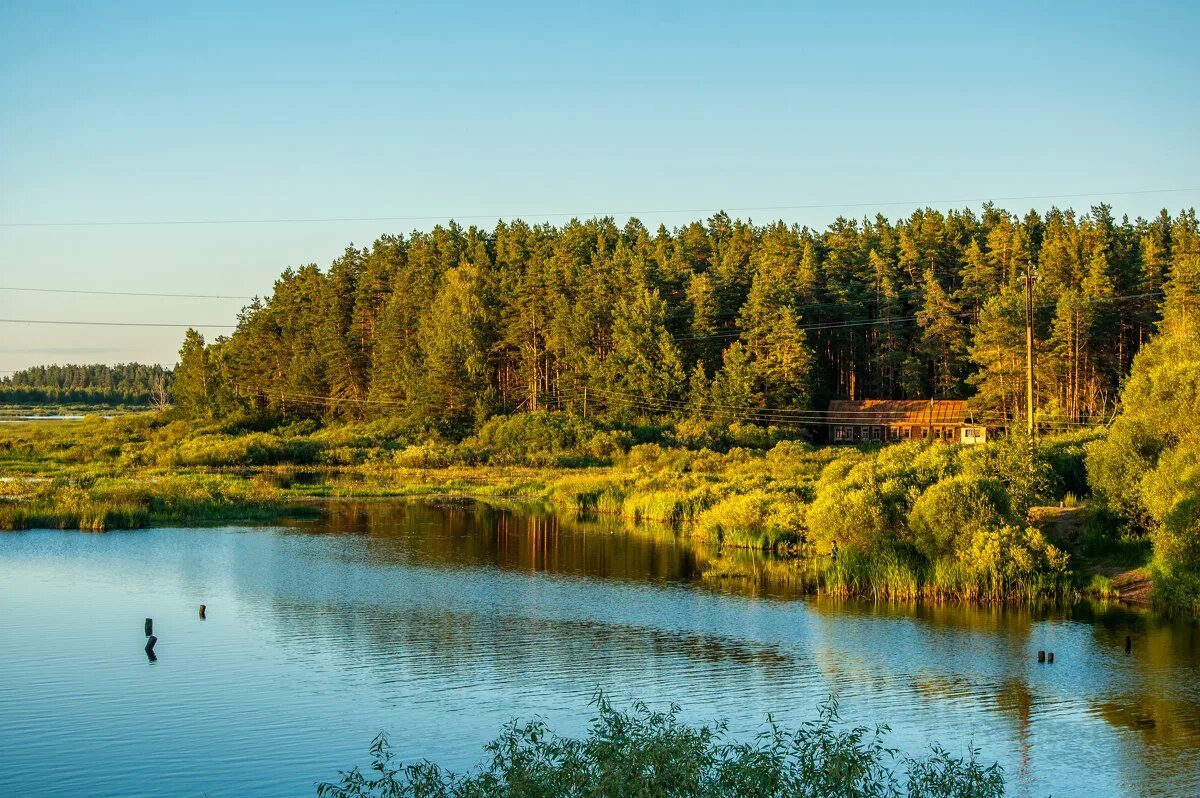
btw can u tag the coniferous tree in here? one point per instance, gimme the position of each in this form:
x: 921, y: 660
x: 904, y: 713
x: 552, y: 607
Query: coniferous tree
x: 453, y: 324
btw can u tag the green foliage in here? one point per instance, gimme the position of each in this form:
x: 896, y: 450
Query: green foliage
x: 910, y: 520
x: 448, y: 327
x: 949, y: 513
x: 541, y: 435
x: 93, y: 384
x: 191, y: 390
x: 1116, y: 465
x: 1147, y: 470
x: 648, y: 753
x: 918, y: 519
x: 98, y: 504
x: 757, y: 519
x: 254, y: 449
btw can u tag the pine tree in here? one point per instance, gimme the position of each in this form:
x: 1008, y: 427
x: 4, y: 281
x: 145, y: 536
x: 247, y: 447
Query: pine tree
x: 189, y: 391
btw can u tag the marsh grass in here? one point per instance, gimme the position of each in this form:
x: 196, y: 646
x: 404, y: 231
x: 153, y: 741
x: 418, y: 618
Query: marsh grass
x: 124, y: 503
x: 790, y: 499
x: 887, y: 576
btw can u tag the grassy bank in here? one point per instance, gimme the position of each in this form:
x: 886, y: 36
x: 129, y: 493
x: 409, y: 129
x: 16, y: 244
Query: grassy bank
x: 643, y: 752
x: 131, y: 501
x: 909, y: 521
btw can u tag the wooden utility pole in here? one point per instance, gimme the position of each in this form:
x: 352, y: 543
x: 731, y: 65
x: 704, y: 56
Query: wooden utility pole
x: 1029, y: 349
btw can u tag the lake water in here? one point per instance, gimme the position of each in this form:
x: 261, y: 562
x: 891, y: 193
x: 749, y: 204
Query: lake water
x: 438, y: 623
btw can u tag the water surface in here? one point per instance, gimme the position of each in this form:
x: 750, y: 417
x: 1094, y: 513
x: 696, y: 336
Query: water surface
x: 438, y: 623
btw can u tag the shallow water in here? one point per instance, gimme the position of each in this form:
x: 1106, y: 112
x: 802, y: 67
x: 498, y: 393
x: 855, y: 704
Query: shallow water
x: 439, y: 623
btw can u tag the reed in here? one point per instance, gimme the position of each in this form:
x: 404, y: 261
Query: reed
x: 125, y: 503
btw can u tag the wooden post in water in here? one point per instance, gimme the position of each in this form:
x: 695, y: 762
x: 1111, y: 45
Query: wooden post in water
x: 1050, y: 658
x: 149, y: 627
x: 202, y: 616
x: 1128, y: 644
x: 150, y: 644
x: 1041, y: 656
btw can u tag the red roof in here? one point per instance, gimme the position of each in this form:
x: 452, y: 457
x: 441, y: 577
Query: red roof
x: 897, y: 411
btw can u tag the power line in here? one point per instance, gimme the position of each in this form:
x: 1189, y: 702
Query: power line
x: 591, y: 214
x: 734, y: 332
x: 121, y: 293
x: 811, y: 416
x: 115, y: 323
x: 649, y: 404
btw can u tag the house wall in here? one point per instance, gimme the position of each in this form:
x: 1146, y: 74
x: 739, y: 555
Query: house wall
x: 896, y: 433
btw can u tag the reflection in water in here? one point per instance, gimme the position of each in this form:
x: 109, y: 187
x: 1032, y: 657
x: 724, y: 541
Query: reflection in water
x: 440, y: 622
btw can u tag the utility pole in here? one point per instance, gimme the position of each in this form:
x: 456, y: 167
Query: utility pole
x: 1029, y: 349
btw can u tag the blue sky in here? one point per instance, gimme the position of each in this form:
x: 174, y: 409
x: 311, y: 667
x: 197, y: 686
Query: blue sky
x: 236, y: 111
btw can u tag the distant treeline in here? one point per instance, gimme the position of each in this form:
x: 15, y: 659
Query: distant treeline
x: 719, y: 318
x: 96, y: 383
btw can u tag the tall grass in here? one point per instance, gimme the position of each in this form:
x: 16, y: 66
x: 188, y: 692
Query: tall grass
x: 889, y: 576
x: 125, y: 503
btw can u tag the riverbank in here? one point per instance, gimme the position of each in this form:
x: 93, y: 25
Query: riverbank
x: 266, y: 495
x: 908, y: 521
x: 131, y: 501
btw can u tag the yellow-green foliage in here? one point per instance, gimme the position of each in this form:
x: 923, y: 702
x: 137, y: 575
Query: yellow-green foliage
x: 757, y: 519
x: 947, y: 514
x: 254, y: 449
x: 1147, y: 469
x: 665, y: 506
x: 122, y: 503
x: 909, y: 519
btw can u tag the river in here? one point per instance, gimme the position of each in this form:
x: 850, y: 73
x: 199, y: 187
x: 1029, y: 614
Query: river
x: 439, y: 622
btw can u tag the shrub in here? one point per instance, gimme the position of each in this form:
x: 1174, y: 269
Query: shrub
x: 425, y: 455
x: 1010, y: 555
x: 647, y: 753
x: 610, y: 444
x: 253, y: 449
x: 789, y: 456
x: 756, y: 519
x: 854, y: 518
x: 946, y: 515
x: 645, y: 455
x: 1116, y: 465
x: 540, y: 436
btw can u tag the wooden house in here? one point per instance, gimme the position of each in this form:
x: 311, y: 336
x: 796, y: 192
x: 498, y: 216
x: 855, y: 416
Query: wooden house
x: 884, y: 420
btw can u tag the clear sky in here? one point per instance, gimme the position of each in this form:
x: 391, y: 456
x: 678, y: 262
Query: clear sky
x: 143, y: 112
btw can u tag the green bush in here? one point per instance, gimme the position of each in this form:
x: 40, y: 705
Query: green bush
x: 944, y: 518
x: 1116, y: 465
x: 254, y: 449
x: 757, y: 520
x: 647, y: 753
x: 540, y: 437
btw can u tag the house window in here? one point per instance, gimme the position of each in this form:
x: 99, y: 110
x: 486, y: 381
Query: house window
x: 864, y: 433
x: 908, y: 433
x: 876, y: 433
x: 894, y: 433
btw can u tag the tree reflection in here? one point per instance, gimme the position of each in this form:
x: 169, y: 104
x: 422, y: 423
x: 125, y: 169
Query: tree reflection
x: 938, y: 652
